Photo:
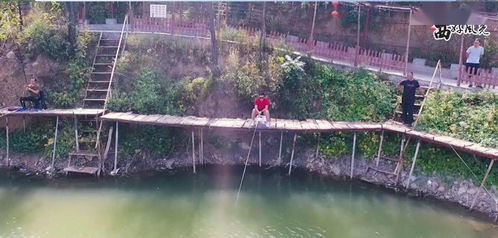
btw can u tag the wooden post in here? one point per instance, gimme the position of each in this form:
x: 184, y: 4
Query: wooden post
x: 260, y: 149
x: 76, y: 133
x: 352, y: 155
x: 279, y: 160
x: 357, y: 39
x: 292, y: 153
x: 24, y: 123
x: 201, y: 147
x: 460, y: 61
x: 193, y: 151
x: 401, y: 149
x: 7, y: 159
x: 482, y: 183
x: 408, y: 43
x: 399, y: 165
x: 313, y: 24
x: 116, y: 142
x: 380, y: 148
x: 107, y: 148
x: 54, y: 151
x: 317, y: 145
x: 414, y: 160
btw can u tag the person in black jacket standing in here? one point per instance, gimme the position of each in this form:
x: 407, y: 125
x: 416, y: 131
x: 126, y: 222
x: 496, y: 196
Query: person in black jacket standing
x: 408, y: 88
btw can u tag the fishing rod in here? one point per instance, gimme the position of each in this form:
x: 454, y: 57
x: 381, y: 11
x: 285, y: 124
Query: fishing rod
x: 245, y: 164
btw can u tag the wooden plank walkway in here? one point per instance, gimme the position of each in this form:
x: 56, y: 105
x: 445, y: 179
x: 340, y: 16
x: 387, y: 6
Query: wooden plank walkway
x: 54, y: 112
x: 309, y: 125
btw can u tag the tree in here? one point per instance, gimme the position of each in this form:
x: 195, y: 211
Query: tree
x: 71, y: 26
x: 215, y: 68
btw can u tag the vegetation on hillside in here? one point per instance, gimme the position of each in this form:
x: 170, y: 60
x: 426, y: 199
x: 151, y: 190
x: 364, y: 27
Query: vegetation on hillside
x: 172, y: 76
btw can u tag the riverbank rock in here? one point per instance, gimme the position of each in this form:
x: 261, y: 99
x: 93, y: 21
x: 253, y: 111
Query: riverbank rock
x: 10, y: 55
x: 244, y: 146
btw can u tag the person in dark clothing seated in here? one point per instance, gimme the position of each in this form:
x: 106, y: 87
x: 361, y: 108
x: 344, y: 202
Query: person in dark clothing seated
x: 409, y: 88
x: 33, y: 94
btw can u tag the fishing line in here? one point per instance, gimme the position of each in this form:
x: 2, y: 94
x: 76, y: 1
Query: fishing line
x: 245, y: 164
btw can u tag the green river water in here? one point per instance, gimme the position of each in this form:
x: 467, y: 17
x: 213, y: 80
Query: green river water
x: 179, y: 204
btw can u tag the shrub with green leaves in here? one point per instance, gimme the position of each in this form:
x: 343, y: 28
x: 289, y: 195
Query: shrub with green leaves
x: 149, y: 94
x: 145, y: 140
x: 469, y: 116
x: 39, y: 138
x: 354, y: 96
x: 43, y: 36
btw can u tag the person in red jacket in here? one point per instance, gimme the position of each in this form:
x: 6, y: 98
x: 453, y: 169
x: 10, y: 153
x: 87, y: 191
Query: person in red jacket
x: 261, y: 107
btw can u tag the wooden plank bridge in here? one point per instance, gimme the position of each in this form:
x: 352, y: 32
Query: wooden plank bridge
x: 306, y: 126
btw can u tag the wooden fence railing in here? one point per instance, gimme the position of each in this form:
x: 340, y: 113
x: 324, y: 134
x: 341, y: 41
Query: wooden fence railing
x: 483, y: 77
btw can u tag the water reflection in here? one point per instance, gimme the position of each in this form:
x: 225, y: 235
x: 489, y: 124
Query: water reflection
x: 203, y: 205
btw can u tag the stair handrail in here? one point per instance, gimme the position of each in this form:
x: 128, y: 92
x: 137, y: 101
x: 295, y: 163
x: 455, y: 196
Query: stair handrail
x: 108, y: 94
x: 438, y: 68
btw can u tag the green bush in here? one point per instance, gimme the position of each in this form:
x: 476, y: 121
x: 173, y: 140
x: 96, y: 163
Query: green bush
x: 39, y: 138
x: 98, y: 13
x: 469, y: 116
x: 147, y: 95
x: 140, y: 140
x: 9, y: 22
x: 355, y: 96
x: 488, y: 60
x: 45, y: 37
x: 69, y: 90
x: 192, y: 92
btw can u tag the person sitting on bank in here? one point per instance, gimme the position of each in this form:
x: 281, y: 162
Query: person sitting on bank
x: 33, y: 92
x: 261, y: 107
x: 474, y: 54
x: 408, y: 90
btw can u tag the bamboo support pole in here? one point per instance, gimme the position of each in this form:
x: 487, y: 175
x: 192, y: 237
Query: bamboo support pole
x: 482, y: 183
x: 357, y: 50
x: 116, y: 142
x: 107, y: 148
x: 259, y: 149
x: 54, y: 151
x: 414, y: 160
x: 317, y: 142
x: 405, y: 70
x: 193, y: 151
x: 24, y: 124
x: 313, y: 24
x: 399, y: 165
x: 279, y: 159
x: 201, y: 147
x: 7, y: 159
x: 460, y: 61
x: 380, y: 148
x: 76, y: 133
x: 400, y: 157
x: 353, y: 155
x: 292, y: 153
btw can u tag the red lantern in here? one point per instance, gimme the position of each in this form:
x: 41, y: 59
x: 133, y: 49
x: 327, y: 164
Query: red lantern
x: 334, y: 13
x: 433, y: 28
x: 335, y: 4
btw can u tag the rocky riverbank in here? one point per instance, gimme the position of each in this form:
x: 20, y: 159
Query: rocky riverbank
x: 442, y: 188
